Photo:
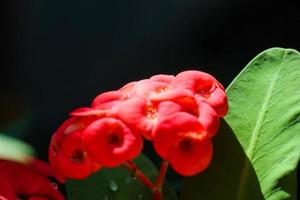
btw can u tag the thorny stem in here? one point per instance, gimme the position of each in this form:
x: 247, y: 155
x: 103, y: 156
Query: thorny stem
x: 155, y: 188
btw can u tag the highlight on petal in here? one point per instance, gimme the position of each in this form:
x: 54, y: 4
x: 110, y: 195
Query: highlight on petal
x: 127, y: 88
x: 107, y: 99
x: 163, y: 78
x: 145, y: 87
x: 84, y: 111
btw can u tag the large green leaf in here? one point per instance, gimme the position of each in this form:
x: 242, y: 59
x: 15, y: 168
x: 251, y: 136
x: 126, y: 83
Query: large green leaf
x: 223, y: 177
x: 265, y: 116
x: 14, y: 150
x: 116, y: 184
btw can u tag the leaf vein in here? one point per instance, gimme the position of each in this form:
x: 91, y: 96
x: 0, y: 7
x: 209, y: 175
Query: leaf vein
x: 255, y: 133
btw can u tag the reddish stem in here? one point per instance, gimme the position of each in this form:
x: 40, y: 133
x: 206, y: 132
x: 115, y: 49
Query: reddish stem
x: 162, y: 174
x: 157, y: 195
x: 136, y: 172
x: 155, y: 188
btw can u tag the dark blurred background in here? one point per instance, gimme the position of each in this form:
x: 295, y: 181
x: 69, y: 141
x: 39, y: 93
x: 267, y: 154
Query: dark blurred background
x: 58, y: 55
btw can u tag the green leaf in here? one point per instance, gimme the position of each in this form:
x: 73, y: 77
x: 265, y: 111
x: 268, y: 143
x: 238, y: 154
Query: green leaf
x: 265, y: 116
x: 116, y: 184
x: 223, y: 177
x: 14, y: 150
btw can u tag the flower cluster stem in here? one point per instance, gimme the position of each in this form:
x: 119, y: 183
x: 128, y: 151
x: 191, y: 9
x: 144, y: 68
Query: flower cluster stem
x: 156, y: 187
x: 137, y: 173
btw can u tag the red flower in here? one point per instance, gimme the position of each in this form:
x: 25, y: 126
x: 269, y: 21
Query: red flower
x: 19, y: 181
x: 110, y: 142
x: 141, y: 115
x: 205, y: 87
x: 183, y: 140
x: 179, y: 114
x: 66, y: 154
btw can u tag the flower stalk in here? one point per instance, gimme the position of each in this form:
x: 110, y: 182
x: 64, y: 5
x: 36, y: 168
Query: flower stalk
x: 156, y: 187
x: 137, y: 173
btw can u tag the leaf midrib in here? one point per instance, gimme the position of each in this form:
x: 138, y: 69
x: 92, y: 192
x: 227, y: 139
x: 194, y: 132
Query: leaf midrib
x: 261, y: 115
x: 255, y: 133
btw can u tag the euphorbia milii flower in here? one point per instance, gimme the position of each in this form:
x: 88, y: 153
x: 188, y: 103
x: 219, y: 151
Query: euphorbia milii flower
x: 179, y: 114
x: 110, y: 142
x: 205, y: 87
x: 141, y: 115
x: 20, y: 181
x: 181, y: 137
x: 66, y: 154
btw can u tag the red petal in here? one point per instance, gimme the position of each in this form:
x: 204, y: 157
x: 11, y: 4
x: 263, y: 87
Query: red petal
x: 83, y: 112
x: 97, y: 142
x: 192, y: 159
x: 169, y: 131
x: 195, y: 80
x: 217, y: 100
x: 108, y: 97
x: 27, y: 182
x: 163, y: 78
x: 6, y: 189
x: 145, y: 87
x: 41, y: 167
x: 134, y: 113
x: 208, y: 118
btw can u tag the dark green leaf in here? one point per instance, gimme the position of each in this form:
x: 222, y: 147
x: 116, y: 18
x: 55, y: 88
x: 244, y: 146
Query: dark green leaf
x: 222, y: 179
x: 116, y: 184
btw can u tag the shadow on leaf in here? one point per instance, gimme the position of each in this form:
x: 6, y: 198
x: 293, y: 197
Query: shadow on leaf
x: 229, y: 176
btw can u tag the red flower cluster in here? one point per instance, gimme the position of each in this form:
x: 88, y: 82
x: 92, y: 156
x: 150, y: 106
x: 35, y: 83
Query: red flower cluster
x: 20, y: 181
x: 179, y: 114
